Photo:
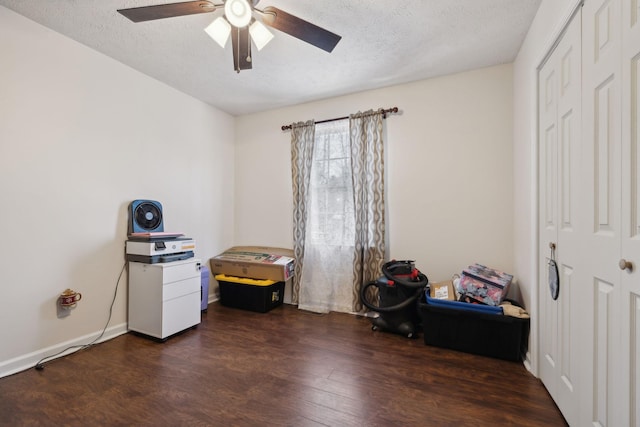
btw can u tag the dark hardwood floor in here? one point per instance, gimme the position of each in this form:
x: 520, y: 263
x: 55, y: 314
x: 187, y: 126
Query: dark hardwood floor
x: 283, y: 368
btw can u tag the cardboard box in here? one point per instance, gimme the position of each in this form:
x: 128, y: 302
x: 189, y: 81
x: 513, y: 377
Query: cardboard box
x: 259, y: 295
x: 256, y: 262
x: 443, y: 290
x: 484, y: 284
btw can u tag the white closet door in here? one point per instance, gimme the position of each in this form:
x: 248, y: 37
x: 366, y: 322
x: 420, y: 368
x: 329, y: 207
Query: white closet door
x: 590, y: 337
x: 602, y: 115
x: 560, y: 146
x: 627, y: 379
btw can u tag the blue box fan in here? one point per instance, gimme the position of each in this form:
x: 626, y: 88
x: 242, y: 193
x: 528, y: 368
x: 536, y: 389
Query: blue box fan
x: 145, y: 216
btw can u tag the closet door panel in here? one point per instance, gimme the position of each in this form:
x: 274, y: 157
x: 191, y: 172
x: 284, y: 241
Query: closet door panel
x: 627, y: 376
x: 603, y: 398
x: 568, y: 371
x: 560, y: 146
x: 548, y: 146
x: 606, y: 161
x: 634, y: 352
x: 601, y: 72
x: 571, y: 298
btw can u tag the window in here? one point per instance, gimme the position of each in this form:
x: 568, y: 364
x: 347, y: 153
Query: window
x: 331, y: 188
x: 329, y: 248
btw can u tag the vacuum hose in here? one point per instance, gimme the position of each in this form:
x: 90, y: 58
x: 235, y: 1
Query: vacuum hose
x: 400, y: 306
x: 405, y: 274
x: 402, y: 273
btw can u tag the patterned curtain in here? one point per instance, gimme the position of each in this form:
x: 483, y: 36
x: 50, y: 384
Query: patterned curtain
x: 326, y: 283
x: 367, y: 164
x: 302, y: 139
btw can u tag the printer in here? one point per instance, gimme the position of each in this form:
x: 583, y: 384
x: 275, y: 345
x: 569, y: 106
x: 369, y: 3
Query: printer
x: 156, y: 250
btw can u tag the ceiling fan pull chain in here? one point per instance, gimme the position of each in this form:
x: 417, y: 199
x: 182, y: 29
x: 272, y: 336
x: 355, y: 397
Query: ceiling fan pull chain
x: 237, y: 49
x: 248, y: 48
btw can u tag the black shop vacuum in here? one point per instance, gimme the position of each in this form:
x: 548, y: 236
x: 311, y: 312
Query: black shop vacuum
x: 398, y: 293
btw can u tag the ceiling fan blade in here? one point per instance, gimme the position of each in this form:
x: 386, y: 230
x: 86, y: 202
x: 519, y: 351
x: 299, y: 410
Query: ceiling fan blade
x: 160, y: 11
x: 299, y: 28
x: 241, y: 48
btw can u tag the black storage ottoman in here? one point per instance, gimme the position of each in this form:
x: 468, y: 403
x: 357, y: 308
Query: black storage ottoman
x: 494, y: 335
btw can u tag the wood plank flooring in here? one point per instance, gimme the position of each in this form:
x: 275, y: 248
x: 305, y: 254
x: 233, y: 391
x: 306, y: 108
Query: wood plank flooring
x: 283, y: 368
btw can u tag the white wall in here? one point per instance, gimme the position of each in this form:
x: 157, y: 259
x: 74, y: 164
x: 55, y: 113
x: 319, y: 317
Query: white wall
x: 545, y: 29
x: 448, y: 162
x: 81, y: 136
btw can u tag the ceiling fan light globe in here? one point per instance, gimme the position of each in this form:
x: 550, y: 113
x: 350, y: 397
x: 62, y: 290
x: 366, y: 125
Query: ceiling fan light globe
x: 260, y: 34
x: 219, y: 31
x: 238, y: 12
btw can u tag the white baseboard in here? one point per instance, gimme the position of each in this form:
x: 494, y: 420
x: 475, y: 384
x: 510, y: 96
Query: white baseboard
x: 27, y: 361
x: 527, y: 364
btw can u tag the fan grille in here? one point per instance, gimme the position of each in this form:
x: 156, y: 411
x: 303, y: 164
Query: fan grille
x: 148, y: 216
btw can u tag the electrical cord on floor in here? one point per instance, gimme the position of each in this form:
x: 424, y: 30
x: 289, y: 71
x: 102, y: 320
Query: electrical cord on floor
x: 40, y: 364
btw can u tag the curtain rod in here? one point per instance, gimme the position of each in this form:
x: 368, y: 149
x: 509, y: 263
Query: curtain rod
x: 384, y: 116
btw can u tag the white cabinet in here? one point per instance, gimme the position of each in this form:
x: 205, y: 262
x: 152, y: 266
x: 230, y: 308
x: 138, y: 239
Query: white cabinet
x: 164, y: 298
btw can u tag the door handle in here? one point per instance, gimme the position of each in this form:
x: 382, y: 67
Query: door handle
x: 625, y: 265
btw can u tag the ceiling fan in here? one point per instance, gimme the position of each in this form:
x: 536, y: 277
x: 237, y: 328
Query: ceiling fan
x: 239, y: 22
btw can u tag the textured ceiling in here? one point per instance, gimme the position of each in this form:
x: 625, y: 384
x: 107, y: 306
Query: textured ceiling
x: 383, y: 43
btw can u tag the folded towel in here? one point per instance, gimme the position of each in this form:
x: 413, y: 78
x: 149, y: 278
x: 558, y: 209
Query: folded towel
x: 513, y: 310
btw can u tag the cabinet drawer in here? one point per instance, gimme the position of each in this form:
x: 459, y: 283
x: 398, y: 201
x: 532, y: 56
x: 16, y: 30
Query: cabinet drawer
x: 180, y: 271
x: 183, y: 287
x: 180, y: 314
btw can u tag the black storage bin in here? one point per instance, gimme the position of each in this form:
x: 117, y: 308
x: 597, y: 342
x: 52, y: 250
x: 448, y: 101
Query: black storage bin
x: 238, y: 292
x: 493, y: 335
